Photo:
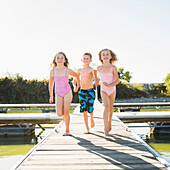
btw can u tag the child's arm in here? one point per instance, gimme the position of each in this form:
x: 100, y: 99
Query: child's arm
x: 95, y: 77
x: 98, y: 68
x: 74, y: 74
x: 51, y: 84
x: 75, y: 80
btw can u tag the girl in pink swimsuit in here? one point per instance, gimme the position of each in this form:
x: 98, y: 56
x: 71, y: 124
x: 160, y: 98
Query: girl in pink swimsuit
x: 63, y: 93
x: 109, y: 79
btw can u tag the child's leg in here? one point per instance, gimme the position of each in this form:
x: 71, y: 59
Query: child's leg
x: 91, y: 120
x: 111, y: 100
x: 86, y: 120
x: 105, y: 100
x: 67, y: 101
x: 59, y: 105
x: 90, y: 104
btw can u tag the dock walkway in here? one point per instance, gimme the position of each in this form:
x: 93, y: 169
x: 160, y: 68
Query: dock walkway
x: 122, y: 150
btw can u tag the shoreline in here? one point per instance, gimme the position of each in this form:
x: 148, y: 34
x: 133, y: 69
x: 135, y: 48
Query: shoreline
x: 143, y: 100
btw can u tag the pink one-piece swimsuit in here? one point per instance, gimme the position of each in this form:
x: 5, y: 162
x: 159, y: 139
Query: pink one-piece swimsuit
x: 108, y: 78
x: 62, y: 86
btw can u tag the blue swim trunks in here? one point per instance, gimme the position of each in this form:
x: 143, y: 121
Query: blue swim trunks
x: 86, y: 98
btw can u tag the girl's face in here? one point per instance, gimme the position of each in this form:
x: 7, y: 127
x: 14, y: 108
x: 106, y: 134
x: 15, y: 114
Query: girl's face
x: 86, y: 59
x: 60, y: 59
x: 106, y: 56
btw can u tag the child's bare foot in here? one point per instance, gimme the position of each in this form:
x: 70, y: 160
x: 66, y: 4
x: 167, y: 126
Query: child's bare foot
x: 67, y: 134
x: 106, y: 133
x: 110, y: 129
x: 92, y: 123
x: 87, y: 132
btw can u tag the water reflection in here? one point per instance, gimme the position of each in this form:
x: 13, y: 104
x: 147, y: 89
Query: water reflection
x: 19, y: 140
x: 158, y: 141
x: 158, y: 138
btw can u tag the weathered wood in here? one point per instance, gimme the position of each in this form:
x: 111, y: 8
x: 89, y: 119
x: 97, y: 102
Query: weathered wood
x: 122, y: 150
x: 97, y: 166
x: 77, y: 152
x: 137, y: 117
x: 41, y: 118
x: 83, y: 161
x: 90, y: 155
x: 2, y: 106
x: 16, y: 106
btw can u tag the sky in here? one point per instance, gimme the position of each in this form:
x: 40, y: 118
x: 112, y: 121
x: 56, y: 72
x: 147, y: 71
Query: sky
x: 33, y: 31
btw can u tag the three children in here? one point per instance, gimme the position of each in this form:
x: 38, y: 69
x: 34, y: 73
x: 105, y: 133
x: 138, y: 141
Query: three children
x: 109, y: 79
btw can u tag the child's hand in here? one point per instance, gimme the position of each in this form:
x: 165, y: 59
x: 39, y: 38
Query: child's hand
x: 76, y: 88
x: 51, y: 100
x: 97, y: 82
x: 106, y: 84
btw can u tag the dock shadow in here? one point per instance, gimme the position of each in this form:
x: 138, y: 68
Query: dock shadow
x: 113, y: 156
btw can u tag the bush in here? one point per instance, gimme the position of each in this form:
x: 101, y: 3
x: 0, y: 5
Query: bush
x: 167, y: 83
x: 15, y: 89
x: 18, y: 90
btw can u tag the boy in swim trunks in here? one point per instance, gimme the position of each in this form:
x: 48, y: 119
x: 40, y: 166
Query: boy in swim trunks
x: 87, y: 93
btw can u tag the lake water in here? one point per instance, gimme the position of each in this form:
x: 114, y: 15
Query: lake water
x: 159, y: 142
x: 13, y: 149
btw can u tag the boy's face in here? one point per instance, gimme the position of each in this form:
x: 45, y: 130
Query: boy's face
x: 60, y: 59
x: 106, y: 56
x: 86, y: 59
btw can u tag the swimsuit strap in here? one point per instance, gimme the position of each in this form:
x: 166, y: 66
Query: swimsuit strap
x: 112, y: 68
x: 66, y: 71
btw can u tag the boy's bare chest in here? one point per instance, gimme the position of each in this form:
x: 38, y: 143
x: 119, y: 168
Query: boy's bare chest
x: 86, y: 73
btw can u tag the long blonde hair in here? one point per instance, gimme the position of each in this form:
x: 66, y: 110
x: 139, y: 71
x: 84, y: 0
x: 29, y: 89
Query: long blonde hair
x: 114, y: 56
x: 54, y: 64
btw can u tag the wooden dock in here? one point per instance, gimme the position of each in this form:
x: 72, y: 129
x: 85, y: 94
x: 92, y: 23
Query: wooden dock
x: 123, y: 150
x: 34, y: 118
x: 141, y: 117
x: 48, y: 106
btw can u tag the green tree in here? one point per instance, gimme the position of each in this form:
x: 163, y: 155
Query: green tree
x: 167, y: 83
x: 124, y: 75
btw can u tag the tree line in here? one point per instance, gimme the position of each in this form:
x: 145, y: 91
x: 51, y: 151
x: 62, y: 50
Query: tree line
x: 16, y: 89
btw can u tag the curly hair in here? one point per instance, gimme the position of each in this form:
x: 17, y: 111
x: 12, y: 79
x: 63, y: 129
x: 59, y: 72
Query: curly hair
x: 54, y: 64
x: 114, y: 56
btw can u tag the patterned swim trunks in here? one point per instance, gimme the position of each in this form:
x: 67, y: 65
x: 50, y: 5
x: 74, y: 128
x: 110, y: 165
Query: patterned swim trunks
x: 86, y: 98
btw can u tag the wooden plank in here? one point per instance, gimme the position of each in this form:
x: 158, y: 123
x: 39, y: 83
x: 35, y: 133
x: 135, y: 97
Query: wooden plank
x: 15, y: 106
x: 41, y: 148
x: 100, y: 166
x: 90, y: 155
x: 94, y: 142
x: 2, y: 106
x: 77, y: 152
x: 136, y: 117
x: 86, y: 161
x: 93, y: 151
x: 43, y: 118
x: 141, y: 104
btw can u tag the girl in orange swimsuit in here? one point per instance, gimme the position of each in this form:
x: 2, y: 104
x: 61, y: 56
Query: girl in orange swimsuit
x: 63, y: 93
x: 109, y: 79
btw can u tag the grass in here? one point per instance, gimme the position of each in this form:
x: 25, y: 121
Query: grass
x: 12, y: 111
x: 148, y: 109
x: 154, y: 110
